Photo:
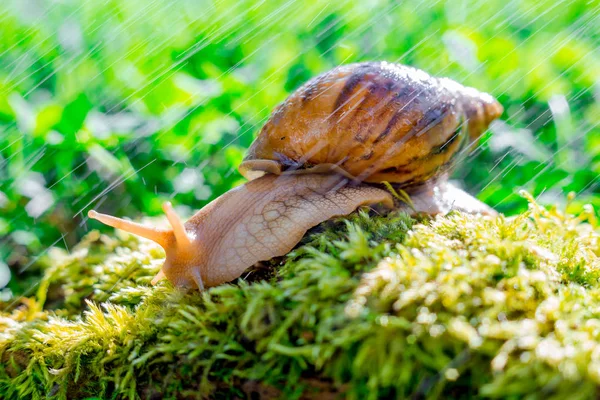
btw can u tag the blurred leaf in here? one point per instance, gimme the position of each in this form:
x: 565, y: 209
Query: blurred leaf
x: 47, y: 118
x: 74, y: 114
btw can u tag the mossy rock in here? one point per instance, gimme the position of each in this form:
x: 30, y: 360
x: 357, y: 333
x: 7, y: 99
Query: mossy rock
x: 370, y: 306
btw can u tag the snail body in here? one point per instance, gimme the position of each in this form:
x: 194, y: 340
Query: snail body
x: 319, y: 156
x: 262, y: 219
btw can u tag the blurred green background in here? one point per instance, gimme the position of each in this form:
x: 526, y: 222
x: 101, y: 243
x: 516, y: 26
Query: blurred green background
x: 121, y: 105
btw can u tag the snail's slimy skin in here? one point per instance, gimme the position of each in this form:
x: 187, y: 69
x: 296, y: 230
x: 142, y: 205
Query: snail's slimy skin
x: 441, y: 197
x: 257, y: 221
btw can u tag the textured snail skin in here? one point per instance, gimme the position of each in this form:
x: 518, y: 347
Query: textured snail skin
x: 257, y: 221
x: 441, y: 197
x: 377, y: 121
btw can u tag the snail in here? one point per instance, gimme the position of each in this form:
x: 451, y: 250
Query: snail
x: 324, y: 152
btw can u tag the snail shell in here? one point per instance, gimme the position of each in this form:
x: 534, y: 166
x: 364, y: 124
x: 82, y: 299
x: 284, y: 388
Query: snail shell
x: 374, y: 121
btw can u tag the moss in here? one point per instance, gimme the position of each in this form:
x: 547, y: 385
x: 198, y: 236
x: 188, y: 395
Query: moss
x: 369, y: 306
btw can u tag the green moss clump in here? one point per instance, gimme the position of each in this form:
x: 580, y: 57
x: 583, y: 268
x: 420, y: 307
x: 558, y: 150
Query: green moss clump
x: 370, y: 306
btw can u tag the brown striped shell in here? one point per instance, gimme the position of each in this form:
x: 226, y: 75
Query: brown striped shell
x: 374, y: 121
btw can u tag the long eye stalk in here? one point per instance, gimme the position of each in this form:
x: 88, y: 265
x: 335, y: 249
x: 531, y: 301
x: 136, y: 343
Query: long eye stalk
x: 156, y: 235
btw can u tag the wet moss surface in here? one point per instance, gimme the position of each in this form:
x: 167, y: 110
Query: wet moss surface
x: 368, y: 306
